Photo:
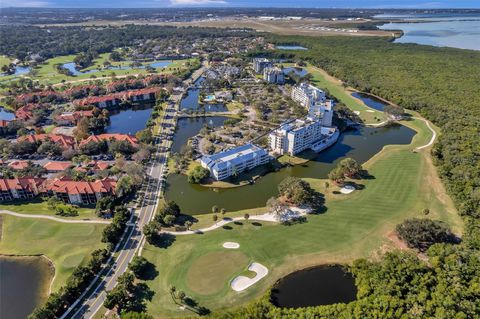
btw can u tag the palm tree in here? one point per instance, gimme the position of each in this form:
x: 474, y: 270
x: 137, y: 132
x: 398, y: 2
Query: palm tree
x: 246, y: 216
x: 215, y: 209
x: 188, y: 224
x: 223, y: 211
x: 215, y: 218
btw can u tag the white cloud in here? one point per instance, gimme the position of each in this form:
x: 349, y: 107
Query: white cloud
x: 24, y: 3
x: 196, y: 2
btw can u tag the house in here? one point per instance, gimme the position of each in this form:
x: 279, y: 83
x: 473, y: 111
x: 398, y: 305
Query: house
x: 57, y: 167
x: 72, y: 118
x: 109, y: 137
x: 64, y: 141
x: 80, y: 192
x: 19, y: 188
x: 18, y: 165
x: 101, y: 102
x: 4, y: 126
x: 234, y: 161
x: 142, y: 95
x: 25, y: 113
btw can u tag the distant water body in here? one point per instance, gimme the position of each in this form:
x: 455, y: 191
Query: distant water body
x: 456, y: 31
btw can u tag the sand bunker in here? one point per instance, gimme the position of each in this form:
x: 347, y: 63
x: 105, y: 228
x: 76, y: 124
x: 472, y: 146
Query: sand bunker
x: 347, y: 189
x: 370, y: 111
x: 241, y: 283
x: 231, y: 245
x: 356, y: 112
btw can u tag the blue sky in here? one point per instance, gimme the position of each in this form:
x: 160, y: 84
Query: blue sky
x: 243, y: 3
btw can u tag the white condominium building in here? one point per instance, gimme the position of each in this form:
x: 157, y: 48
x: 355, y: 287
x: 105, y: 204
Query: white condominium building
x: 299, y: 135
x: 234, y: 161
x: 307, y: 95
x: 322, y: 111
x: 273, y: 75
x: 259, y: 64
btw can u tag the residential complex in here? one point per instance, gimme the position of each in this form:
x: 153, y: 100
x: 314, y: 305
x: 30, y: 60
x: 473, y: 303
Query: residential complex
x: 259, y: 64
x: 308, y: 95
x: 299, y: 135
x: 80, y: 192
x: 322, y: 111
x: 274, y: 75
x: 234, y: 161
x: 19, y: 188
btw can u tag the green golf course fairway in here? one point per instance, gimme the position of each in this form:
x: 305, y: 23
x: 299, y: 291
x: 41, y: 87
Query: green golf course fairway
x: 353, y: 226
x: 66, y: 245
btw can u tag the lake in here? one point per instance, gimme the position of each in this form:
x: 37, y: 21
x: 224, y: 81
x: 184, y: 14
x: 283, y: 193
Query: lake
x: 290, y: 47
x: 129, y: 121
x: 359, y: 144
x: 188, y: 127
x: 298, y: 71
x: 19, y: 70
x: 457, y: 31
x: 156, y: 64
x: 6, y: 114
x: 190, y: 101
x: 322, y: 285
x: 24, y: 283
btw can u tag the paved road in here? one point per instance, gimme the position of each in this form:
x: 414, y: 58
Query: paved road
x: 94, y: 297
x: 60, y: 220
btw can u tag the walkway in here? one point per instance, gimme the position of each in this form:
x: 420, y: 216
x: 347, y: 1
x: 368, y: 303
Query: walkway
x: 292, y: 212
x: 56, y: 219
x: 434, y: 134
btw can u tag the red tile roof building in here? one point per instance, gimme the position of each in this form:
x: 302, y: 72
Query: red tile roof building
x: 114, y: 99
x: 56, y: 167
x: 71, y: 118
x: 25, y: 112
x: 34, y: 97
x: 109, y: 137
x: 18, y: 165
x: 80, y: 192
x: 19, y: 188
x: 65, y: 141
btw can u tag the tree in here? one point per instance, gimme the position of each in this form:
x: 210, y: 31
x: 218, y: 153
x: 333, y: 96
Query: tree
x: 124, y: 185
x: 188, y: 224
x: 82, y: 131
x: 349, y: 167
x: 275, y: 205
x: 394, y: 110
x: 198, y: 174
x: 246, y: 216
x: 423, y: 233
x: 296, y: 191
x: 214, y: 209
x: 150, y: 231
x: 138, y: 266
x: 144, y: 136
x: 223, y: 211
x: 169, y: 220
x: 215, y: 218
x: 136, y: 315
x: 336, y: 175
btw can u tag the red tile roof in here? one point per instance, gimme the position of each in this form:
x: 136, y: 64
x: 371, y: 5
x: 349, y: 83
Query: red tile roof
x: 80, y: 187
x: 65, y: 141
x: 25, y: 183
x: 18, y: 165
x: 57, y: 166
x: 4, y: 123
x: 25, y: 112
x: 73, y: 117
x: 108, y: 137
x: 119, y: 96
x: 27, y: 97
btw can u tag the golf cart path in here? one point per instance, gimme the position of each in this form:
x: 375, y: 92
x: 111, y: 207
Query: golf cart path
x: 267, y: 217
x: 434, y: 134
x: 56, y: 219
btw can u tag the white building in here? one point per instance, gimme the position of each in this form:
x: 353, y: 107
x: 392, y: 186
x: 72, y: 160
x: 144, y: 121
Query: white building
x: 259, y: 64
x: 273, y: 75
x: 322, y: 111
x: 307, y: 95
x: 297, y: 136
x: 234, y: 161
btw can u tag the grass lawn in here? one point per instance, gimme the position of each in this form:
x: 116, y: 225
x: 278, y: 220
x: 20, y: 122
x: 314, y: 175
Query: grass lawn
x: 39, y: 207
x: 5, y: 60
x: 67, y: 245
x: 353, y: 226
x: 46, y: 73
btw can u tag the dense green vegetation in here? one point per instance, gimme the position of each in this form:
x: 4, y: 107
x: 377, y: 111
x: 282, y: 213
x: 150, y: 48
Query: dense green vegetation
x: 442, y: 84
x: 423, y: 233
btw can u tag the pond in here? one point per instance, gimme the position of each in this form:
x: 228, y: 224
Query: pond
x: 190, y: 99
x: 370, y: 101
x: 359, y: 144
x: 19, y: 70
x: 24, y: 283
x: 298, y: 71
x: 291, y: 47
x: 129, y: 121
x: 322, y: 285
x: 6, y: 114
x: 188, y: 127
x: 126, y: 66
